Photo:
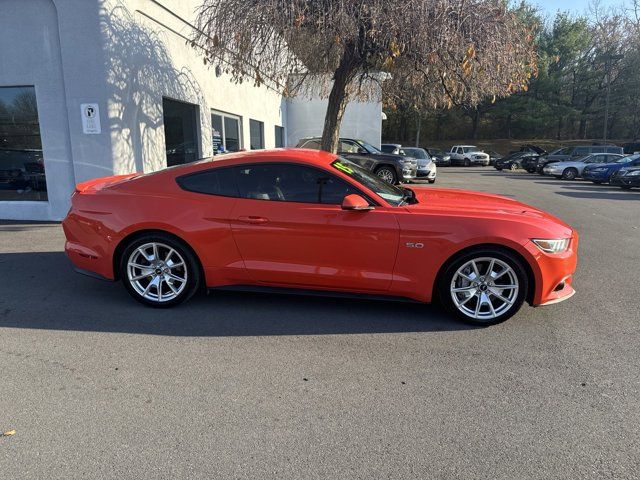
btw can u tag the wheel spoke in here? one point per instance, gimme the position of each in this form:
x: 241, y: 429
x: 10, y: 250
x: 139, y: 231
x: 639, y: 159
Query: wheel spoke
x: 155, y: 252
x: 464, y: 289
x: 172, y: 287
x: 475, y: 268
x: 141, y: 267
x: 506, y: 287
x: 148, y: 258
x: 171, y: 251
x: 174, y: 265
x: 175, y: 277
x: 490, y: 269
x: 140, y: 277
x: 499, y: 296
x: 160, y: 289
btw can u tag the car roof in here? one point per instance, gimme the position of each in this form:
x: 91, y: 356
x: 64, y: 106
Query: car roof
x: 299, y: 155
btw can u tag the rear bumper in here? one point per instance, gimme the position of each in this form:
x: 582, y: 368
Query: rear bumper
x: 89, y: 251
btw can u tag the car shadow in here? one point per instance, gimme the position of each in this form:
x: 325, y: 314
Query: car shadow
x: 45, y: 293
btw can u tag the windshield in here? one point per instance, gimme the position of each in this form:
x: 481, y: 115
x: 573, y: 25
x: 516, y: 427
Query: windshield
x: 436, y: 151
x: 392, y: 194
x: 469, y: 149
x: 368, y: 147
x: 563, y: 151
x: 628, y: 159
x: 418, y: 153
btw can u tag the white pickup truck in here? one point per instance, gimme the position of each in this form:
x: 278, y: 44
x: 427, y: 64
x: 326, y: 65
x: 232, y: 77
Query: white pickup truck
x: 468, y: 155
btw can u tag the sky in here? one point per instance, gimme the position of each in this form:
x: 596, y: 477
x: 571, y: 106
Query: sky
x: 574, y: 6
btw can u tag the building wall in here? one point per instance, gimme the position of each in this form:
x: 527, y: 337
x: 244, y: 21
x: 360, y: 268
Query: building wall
x: 125, y: 56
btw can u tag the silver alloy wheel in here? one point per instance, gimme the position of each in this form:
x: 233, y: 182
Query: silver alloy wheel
x: 157, y: 272
x: 386, y: 175
x: 513, y: 167
x: 484, y: 288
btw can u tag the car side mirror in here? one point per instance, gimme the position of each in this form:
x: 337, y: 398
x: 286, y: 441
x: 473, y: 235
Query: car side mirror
x: 361, y: 150
x: 355, y: 202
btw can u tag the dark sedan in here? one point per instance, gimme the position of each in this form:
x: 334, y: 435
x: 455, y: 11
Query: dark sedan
x: 626, y: 178
x: 440, y: 157
x: 515, y: 160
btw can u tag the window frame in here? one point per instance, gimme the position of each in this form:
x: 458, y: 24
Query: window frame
x: 261, y: 124
x: 223, y: 134
x: 359, y: 191
x: 279, y: 129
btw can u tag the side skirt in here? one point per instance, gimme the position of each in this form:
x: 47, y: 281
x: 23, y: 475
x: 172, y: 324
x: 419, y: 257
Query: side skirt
x: 311, y: 293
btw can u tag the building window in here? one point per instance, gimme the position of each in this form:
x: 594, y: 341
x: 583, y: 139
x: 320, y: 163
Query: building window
x: 21, y: 161
x: 279, y: 137
x: 226, y: 132
x: 180, y: 131
x: 256, y: 132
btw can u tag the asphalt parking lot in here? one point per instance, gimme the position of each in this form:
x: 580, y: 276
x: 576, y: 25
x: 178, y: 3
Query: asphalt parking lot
x: 237, y: 385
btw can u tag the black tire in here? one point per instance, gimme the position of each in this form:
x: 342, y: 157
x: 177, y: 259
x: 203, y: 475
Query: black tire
x: 444, y: 294
x: 388, y: 174
x: 531, y: 170
x: 467, y: 162
x: 191, y: 269
x: 625, y: 187
x: 499, y: 169
x: 569, y: 173
x: 432, y: 181
x: 513, y: 167
x: 597, y: 182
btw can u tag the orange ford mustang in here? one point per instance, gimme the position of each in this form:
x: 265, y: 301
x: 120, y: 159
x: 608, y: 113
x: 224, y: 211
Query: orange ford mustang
x: 301, y: 220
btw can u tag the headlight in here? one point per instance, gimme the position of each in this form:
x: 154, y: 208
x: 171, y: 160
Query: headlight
x: 633, y: 173
x: 556, y: 245
x: 446, y: 158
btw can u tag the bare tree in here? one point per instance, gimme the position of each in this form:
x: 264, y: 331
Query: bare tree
x: 426, y: 53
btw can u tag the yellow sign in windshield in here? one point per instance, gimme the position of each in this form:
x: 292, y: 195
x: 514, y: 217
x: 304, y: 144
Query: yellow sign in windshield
x: 343, y: 167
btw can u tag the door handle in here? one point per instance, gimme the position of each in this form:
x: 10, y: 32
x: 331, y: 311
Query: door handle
x: 252, y: 219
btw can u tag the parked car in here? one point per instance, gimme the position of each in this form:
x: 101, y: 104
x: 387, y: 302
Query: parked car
x: 573, y: 170
x: 440, y: 157
x: 493, y: 157
x: 626, y: 178
x: 515, y: 160
x: 394, y: 148
x: 468, y: 155
x: 567, y: 154
x: 601, y: 173
x: 391, y: 168
x: 299, y: 220
x: 426, y: 166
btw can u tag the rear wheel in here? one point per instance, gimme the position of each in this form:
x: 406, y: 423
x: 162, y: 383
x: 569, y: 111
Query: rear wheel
x: 484, y: 287
x: 432, y: 181
x: 625, y: 187
x: 159, y: 271
x: 597, y: 182
x: 467, y: 162
x: 569, y: 174
x: 387, y: 174
x: 513, y: 167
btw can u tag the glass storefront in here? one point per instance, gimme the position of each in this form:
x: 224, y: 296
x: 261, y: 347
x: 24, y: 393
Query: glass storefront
x: 21, y: 162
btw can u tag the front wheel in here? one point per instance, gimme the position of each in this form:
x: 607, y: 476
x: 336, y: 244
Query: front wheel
x: 569, y: 174
x: 513, y: 167
x: 484, y: 287
x: 597, y: 182
x: 625, y: 187
x: 432, y: 181
x: 387, y: 174
x: 159, y: 271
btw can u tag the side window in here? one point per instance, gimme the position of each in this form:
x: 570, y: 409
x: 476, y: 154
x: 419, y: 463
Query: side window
x: 580, y: 151
x: 290, y: 183
x: 216, y: 181
x: 347, y: 147
x: 613, y: 150
x: 256, y: 134
x: 598, y: 149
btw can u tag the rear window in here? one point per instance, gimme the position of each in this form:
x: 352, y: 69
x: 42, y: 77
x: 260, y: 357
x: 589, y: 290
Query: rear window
x: 217, y: 181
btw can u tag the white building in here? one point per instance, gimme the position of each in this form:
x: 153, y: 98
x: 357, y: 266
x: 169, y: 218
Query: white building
x: 90, y: 88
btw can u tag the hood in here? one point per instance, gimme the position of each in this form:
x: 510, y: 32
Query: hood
x: 390, y: 157
x: 482, y: 205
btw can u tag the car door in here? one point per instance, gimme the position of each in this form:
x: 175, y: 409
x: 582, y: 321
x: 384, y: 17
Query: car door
x: 290, y: 230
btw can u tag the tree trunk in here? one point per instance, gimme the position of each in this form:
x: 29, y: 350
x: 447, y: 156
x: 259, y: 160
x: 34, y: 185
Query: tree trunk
x: 418, y: 128
x: 337, y: 103
x: 475, y: 121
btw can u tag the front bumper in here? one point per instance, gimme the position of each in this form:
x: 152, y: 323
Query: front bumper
x: 429, y: 174
x: 625, y: 181
x: 554, y: 273
x: 595, y: 176
x: 409, y: 172
x: 480, y: 161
